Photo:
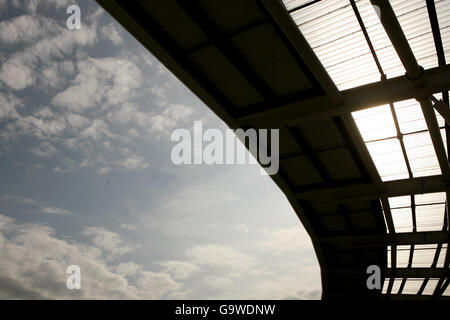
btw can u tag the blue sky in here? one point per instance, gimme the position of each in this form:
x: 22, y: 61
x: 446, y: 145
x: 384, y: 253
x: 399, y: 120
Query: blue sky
x: 86, y: 176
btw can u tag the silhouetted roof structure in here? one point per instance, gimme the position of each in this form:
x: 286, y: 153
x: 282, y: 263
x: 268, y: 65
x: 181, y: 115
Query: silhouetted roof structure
x: 363, y: 152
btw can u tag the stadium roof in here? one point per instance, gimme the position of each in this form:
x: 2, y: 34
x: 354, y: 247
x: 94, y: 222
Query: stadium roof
x: 359, y: 92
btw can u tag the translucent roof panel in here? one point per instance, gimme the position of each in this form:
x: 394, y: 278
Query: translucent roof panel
x: 388, y: 158
x: 377, y: 127
x: 396, y: 285
x: 430, y: 217
x: 421, y: 155
x: 429, y: 210
x: 293, y: 4
x: 402, y: 219
x: 441, y: 259
x: 403, y: 256
x: 335, y: 35
x: 412, y: 286
x: 430, y: 198
x: 443, y: 13
x: 410, y: 116
x: 414, y: 20
x: 385, y: 52
x: 399, y: 202
x: 431, y: 285
x: 423, y: 256
x: 447, y: 291
x: 385, y: 285
x: 375, y: 123
x: 333, y: 32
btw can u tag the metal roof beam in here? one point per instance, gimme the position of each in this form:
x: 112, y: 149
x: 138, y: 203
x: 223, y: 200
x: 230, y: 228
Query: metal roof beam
x: 374, y: 240
x: 397, y: 272
x: 370, y: 95
x: 394, y: 188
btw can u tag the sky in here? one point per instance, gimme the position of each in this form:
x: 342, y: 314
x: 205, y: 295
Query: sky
x: 86, y: 177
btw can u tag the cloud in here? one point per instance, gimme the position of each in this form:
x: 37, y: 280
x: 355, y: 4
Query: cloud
x: 20, y: 199
x: 162, y: 121
x: 287, y: 240
x: 157, y: 285
x: 40, y: 128
x: 242, y: 228
x: 33, y: 5
x: 179, y: 270
x: 96, y: 130
x: 78, y: 121
x: 57, y: 211
x: 44, y: 113
x: 45, y: 150
x: 8, y: 106
x: 108, y: 241
x: 220, y: 256
x: 16, y: 74
x: 25, y: 28
x: 127, y: 226
x: 112, y: 33
x: 134, y: 162
x: 100, y: 80
x: 127, y: 268
x: 33, y: 261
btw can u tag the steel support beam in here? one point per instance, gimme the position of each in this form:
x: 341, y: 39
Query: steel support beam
x: 397, y: 273
x: 359, y: 98
x: 394, y: 188
x: 436, y: 138
x: 442, y: 108
x: 375, y: 240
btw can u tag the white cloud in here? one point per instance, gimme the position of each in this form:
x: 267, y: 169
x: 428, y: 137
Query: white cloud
x: 96, y: 130
x: 33, y: 263
x: 58, y: 211
x: 17, y: 198
x: 179, y: 270
x: 33, y: 5
x: 16, y: 74
x: 112, y: 33
x: 8, y: 105
x: 135, y: 162
x: 109, y: 80
x: 45, y: 150
x: 219, y: 282
x: 127, y: 226
x: 157, y: 285
x: 40, y: 128
x: 127, y: 268
x: 242, y: 228
x: 78, y: 121
x: 287, y: 239
x: 162, y: 121
x: 45, y: 113
x: 25, y: 28
x: 108, y: 241
x: 220, y: 256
